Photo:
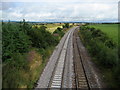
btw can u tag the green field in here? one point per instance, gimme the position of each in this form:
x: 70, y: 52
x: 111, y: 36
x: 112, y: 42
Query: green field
x: 110, y: 29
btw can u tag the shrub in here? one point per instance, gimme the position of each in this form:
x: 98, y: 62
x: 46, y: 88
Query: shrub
x: 58, y: 31
x: 66, y: 25
x: 41, y: 38
x: 99, y: 46
x: 14, y: 40
x: 104, y: 51
x: 59, y: 28
x: 18, y: 39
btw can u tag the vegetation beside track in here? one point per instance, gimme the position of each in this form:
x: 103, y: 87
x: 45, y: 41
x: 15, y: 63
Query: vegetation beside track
x: 26, y: 50
x: 104, y: 52
x: 110, y: 29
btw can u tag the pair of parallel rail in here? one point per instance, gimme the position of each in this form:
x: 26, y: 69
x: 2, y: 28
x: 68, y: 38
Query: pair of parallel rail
x: 54, y: 73
x: 80, y: 75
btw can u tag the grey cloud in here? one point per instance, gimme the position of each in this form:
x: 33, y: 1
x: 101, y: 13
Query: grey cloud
x: 62, y: 11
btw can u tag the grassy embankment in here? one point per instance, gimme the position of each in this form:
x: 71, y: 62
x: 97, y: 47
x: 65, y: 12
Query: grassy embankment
x: 26, y: 50
x: 101, y: 40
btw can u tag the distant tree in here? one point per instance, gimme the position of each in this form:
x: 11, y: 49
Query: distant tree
x: 67, y: 25
x: 2, y: 22
x: 63, y: 26
x: 24, y: 26
x: 59, y: 28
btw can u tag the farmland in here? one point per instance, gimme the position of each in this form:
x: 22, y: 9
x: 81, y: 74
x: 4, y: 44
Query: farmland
x: 50, y: 27
x: 110, y: 29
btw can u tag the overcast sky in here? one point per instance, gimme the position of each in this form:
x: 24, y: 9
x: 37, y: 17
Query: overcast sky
x: 60, y: 10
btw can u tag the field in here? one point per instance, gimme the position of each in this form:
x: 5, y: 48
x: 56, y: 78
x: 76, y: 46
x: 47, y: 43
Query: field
x: 110, y: 29
x: 51, y: 27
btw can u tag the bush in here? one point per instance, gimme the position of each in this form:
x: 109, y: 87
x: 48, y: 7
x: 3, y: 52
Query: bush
x: 18, y: 39
x: 99, y: 46
x: 14, y: 40
x: 104, y: 51
x: 59, y: 31
x: 59, y: 28
x: 66, y: 25
x: 41, y: 38
x: 12, y: 75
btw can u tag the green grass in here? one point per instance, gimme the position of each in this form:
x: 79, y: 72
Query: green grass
x: 110, y: 29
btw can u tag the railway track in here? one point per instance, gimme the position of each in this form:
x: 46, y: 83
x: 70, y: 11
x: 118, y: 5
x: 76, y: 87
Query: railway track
x: 67, y: 66
x: 68, y: 74
x: 80, y: 75
x: 57, y: 76
x: 53, y: 71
